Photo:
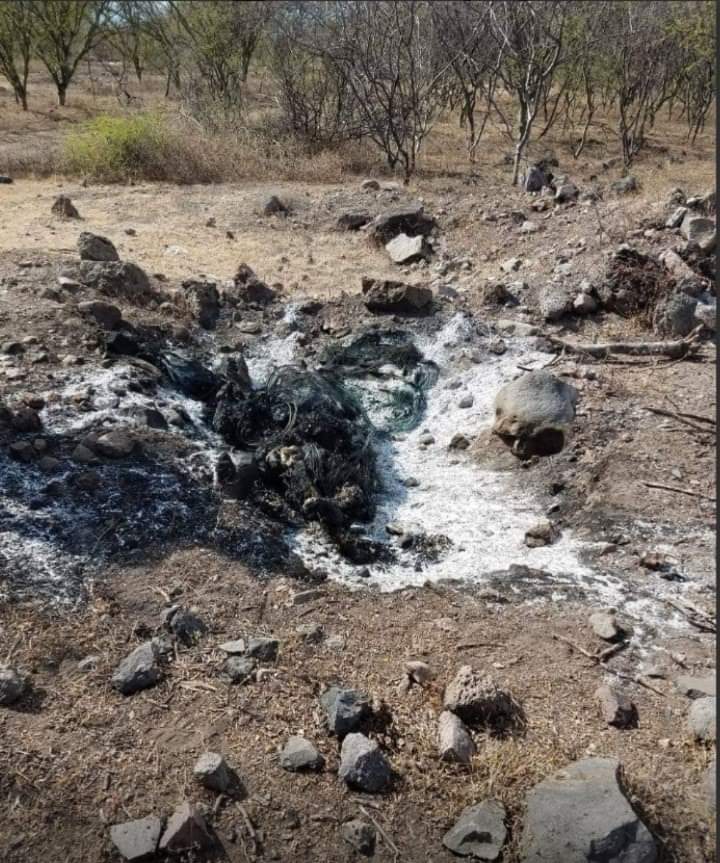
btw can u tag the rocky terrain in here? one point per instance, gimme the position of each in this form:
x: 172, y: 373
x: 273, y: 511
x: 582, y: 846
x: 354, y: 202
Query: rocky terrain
x: 358, y: 521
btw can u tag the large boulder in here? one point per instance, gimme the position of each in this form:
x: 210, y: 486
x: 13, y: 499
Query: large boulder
x: 93, y: 247
x: 410, y: 220
x: 533, y: 414
x: 580, y: 814
x: 384, y: 295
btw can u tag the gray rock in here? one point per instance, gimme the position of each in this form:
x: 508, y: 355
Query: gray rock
x: 150, y: 417
x: 212, y: 771
x: 542, y: 533
x: 239, y: 669
x: 466, y: 402
x: 709, y: 786
x: 137, y: 840
x: 64, y: 208
x: 263, y: 649
x: 426, y: 439
x: 274, y: 207
x: 674, y: 264
x: 139, y: 670
x: 363, y: 765
x: 554, y: 301
x: 384, y: 295
x: 702, y: 719
x: 675, y: 219
x: 675, y: 315
x: 580, y: 814
x: 585, y: 304
x: 345, y: 709
x: 202, y: 300
x: 535, y: 179
x: 605, y: 626
x: 410, y: 220
x: 310, y: 595
x: 360, y: 835
x: 93, y: 247
x: 26, y: 419
x: 706, y: 314
x: 454, y: 740
x: 186, y: 830
x: 115, y: 444
x: 615, y: 707
x: 696, y: 687
x: 566, y: 192
x: 353, y: 221
x: 5, y: 180
x: 624, y: 185
x: 237, y: 646
x: 117, y: 279
x: 511, y: 265
x: 533, y: 413
x: 186, y: 626
x: 248, y: 288
x: 370, y: 186
x: 13, y: 685
x: 406, y: 250
x: 300, y: 754
x: 459, y: 441
x: 698, y: 229
x: 105, y: 315
x: 311, y: 633
x: 479, y: 832
x: 529, y: 227
x: 478, y: 700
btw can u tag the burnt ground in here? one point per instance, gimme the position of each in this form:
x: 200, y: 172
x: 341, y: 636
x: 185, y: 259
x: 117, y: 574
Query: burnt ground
x: 77, y: 757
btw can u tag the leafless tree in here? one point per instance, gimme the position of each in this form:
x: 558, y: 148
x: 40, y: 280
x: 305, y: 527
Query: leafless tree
x: 17, y: 45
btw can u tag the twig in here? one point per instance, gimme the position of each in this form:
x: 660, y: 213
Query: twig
x: 681, y: 418
x: 675, y: 350
x: 686, y: 491
x: 388, y: 841
x: 680, y: 413
x: 694, y: 616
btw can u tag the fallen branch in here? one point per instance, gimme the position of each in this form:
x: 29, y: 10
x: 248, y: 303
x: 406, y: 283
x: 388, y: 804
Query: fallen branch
x: 694, y: 616
x: 388, y: 841
x: 675, y: 350
x: 681, y: 418
x: 686, y: 491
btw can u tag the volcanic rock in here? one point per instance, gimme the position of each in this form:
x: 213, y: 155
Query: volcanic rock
x: 395, y: 297
x: 300, y: 754
x: 360, y: 835
x: 345, y: 709
x: 64, y: 208
x: 139, y: 670
x: 454, y: 740
x: 479, y: 832
x: 363, y: 765
x: 137, y: 840
x: 93, y: 247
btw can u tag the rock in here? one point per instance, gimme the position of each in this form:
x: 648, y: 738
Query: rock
x: 709, y: 786
x: 616, y: 708
x: 410, y: 220
x: 114, y: 444
x: 304, y: 596
x: 345, y: 709
x: 83, y: 454
x: 185, y: 830
x: 117, y: 279
x: 426, y: 439
x: 542, y: 533
x: 554, y: 301
x: 353, y: 221
x: 585, y: 304
x: 151, y: 417
x: 186, y: 626
x: 535, y: 179
x: 202, y: 300
x: 370, y: 186
x: 363, y: 765
x: 212, y: 771
x: 360, y: 835
x: 466, y: 402
x: 459, y: 441
x: 581, y: 814
x: 479, y: 832
x: 93, y: 247
x: 529, y: 227
x: 263, y: 649
x: 454, y: 740
x: 64, y: 208
x: 406, y: 250
x: 311, y: 633
x: 533, y: 413
x: 12, y: 349
x: 419, y: 672
x: 674, y: 264
x: 676, y: 217
x: 274, y: 207
x: 478, y: 700
x: 13, y: 685
x: 384, y: 295
x: 706, y: 314
x: 250, y: 289
x: 702, y: 719
x: 566, y: 192
x: 675, y: 315
x: 239, y: 669
x: 498, y: 294
x: 235, y: 647
x: 106, y: 315
x: 139, y: 670
x: 698, y: 229
x: 299, y: 754
x: 605, y: 626
x: 48, y: 464
x: 511, y: 265
x: 5, y: 180
x: 137, y: 840
x: 26, y: 419
x: 624, y: 185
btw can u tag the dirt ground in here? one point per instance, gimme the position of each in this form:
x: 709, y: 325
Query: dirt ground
x: 76, y: 757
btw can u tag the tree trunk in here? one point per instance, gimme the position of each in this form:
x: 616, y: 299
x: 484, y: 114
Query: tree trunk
x: 62, y: 93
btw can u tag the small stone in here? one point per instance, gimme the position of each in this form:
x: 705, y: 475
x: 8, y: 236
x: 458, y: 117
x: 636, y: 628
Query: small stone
x: 360, y: 835
x: 466, y: 402
x: 605, y: 626
x: 235, y: 647
x: 300, y: 754
x: 25, y: 419
x: 700, y: 230
x: 92, y: 247
x: 13, y: 685
x: 696, y: 687
x: 624, y: 185
x: 263, y: 649
x: 88, y: 663
x: 511, y: 265
x: 274, y: 207
x: 709, y: 786
x: 152, y: 418
x: 239, y: 669
x: 345, y: 709
x: 459, y: 441
x: 479, y: 832
x: 406, y: 250
x: 114, y: 444
x: 529, y: 227
x: 454, y: 740
x: 585, y: 304
x: 543, y: 533
x: 497, y: 346
x: 186, y: 626
x: 419, y: 672
x: 426, y: 439
x: 311, y: 633
x: 616, y: 708
x: 64, y: 208
x: 370, y: 186
x: 83, y: 454
x: 702, y: 719
x: 139, y: 670
x: 48, y: 464
x: 137, y: 840
x: 186, y: 830
x: 676, y: 218
x: 363, y: 765
x: 212, y: 771
x: 305, y: 596
x: 105, y: 315
x: 566, y: 192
